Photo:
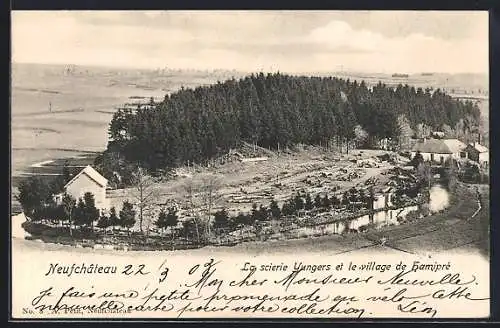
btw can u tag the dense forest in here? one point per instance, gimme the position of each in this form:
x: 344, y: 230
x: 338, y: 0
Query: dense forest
x: 275, y: 111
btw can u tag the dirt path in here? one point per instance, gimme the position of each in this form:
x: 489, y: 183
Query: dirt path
x: 479, y: 207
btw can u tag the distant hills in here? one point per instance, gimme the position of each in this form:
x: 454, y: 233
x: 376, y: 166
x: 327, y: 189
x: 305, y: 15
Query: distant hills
x: 464, y: 80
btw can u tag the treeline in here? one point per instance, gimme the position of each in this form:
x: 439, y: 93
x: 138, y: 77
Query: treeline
x: 274, y: 111
x: 287, y: 215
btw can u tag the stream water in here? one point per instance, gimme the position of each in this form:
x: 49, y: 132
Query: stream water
x: 439, y: 200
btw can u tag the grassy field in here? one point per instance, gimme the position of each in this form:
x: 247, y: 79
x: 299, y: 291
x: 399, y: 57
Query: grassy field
x: 57, y: 115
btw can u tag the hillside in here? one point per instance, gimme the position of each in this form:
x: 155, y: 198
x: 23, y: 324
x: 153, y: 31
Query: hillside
x: 85, y: 99
x: 277, y: 110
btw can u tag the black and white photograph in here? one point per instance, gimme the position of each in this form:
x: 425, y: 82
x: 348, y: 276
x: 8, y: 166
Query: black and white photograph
x: 250, y: 164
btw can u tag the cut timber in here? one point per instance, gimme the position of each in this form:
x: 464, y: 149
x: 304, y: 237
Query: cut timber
x: 254, y: 159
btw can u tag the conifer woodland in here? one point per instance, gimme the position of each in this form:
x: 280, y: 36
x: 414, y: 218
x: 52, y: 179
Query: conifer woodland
x: 274, y: 111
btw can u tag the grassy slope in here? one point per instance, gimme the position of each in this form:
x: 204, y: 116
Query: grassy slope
x: 451, y: 229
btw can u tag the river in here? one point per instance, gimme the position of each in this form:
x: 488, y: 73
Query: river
x: 439, y: 200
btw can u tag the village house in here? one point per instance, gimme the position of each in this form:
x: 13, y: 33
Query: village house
x: 437, y: 134
x: 439, y: 150
x: 87, y: 180
x: 478, y: 153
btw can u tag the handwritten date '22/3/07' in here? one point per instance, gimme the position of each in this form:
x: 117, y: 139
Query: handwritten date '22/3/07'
x: 206, y: 291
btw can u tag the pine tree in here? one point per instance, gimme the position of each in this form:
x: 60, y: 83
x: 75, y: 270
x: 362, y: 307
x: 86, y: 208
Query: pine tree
x: 288, y: 208
x: 298, y: 202
x: 91, y: 212
x: 317, y: 201
x: 308, y: 203
x: 114, y: 220
x: 221, y: 219
x: 69, y: 205
x: 127, y: 215
x: 79, y: 213
x: 263, y: 213
x: 255, y: 212
x: 161, y: 222
x: 325, y: 202
x: 172, y: 218
x: 103, y: 221
x: 275, y: 210
x: 417, y: 159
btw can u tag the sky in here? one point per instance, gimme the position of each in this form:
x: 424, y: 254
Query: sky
x: 288, y: 41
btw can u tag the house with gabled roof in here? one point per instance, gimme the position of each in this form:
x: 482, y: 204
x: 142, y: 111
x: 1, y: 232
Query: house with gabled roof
x: 87, y: 180
x: 439, y: 150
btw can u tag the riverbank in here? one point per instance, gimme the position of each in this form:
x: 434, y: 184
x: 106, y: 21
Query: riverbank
x: 450, y: 230
x: 463, y: 225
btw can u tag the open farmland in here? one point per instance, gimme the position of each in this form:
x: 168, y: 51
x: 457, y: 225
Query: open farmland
x: 59, y: 114
x: 458, y: 85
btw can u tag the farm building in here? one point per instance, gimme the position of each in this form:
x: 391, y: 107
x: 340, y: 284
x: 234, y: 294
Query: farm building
x: 88, y: 180
x: 437, y: 134
x: 478, y: 153
x: 438, y: 150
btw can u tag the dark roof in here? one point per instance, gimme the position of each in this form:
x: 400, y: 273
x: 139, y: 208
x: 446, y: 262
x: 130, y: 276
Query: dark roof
x: 437, y: 146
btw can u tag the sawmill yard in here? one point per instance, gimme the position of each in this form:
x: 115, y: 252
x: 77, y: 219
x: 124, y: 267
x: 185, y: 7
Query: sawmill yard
x: 242, y: 181
x: 461, y: 227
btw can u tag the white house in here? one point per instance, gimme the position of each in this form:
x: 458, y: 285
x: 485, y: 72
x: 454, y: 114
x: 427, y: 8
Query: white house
x: 88, y: 180
x: 438, y: 150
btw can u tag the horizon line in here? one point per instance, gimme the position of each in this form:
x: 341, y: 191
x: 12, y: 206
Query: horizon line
x: 336, y: 71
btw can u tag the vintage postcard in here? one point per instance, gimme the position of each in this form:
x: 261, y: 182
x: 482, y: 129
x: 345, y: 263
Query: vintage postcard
x: 250, y: 164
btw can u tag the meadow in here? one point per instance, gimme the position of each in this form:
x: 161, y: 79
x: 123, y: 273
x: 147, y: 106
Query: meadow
x: 60, y: 114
